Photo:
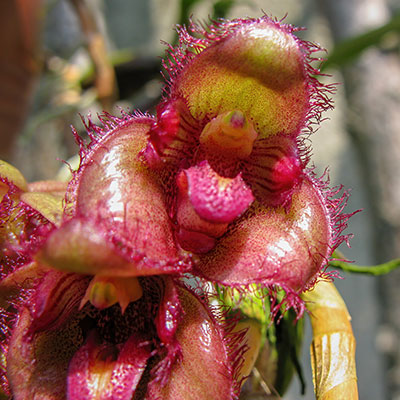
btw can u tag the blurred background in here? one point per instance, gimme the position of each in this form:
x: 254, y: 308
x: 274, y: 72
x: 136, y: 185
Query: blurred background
x: 64, y: 58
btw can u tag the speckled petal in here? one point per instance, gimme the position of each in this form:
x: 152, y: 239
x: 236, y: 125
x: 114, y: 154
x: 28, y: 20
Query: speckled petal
x: 255, y: 66
x: 37, y: 365
x: 216, y: 198
x: 104, y: 372
x: 273, y: 169
x: 81, y: 246
x: 118, y: 211
x: 205, y: 370
x: 55, y: 299
x: 284, y: 246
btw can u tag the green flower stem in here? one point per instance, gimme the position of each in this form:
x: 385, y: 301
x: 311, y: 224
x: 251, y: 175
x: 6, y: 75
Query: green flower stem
x: 375, y: 270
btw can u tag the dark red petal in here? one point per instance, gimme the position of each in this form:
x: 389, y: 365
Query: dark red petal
x: 169, y: 313
x: 55, y: 299
x: 102, y: 372
x: 123, y: 202
x: 37, y: 364
x: 286, y: 246
x: 273, y: 169
x: 171, y: 135
x: 166, y: 129
x: 23, y: 277
x: 169, y: 316
x: 205, y: 370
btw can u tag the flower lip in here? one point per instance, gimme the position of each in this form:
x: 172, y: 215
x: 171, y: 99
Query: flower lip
x: 206, y: 204
x: 215, y: 198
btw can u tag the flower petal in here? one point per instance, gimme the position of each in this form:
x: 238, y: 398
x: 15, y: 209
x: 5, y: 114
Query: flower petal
x: 10, y: 174
x: 22, y: 230
x: 169, y: 313
x: 80, y: 246
x: 206, y: 368
x: 83, y: 247
x: 48, y: 205
x: 274, y: 245
x: 23, y: 277
x: 273, y: 169
x: 100, y: 371
x: 117, y: 190
x: 56, y: 188
x: 256, y: 66
x: 120, y: 225
x: 37, y: 365
x: 55, y: 299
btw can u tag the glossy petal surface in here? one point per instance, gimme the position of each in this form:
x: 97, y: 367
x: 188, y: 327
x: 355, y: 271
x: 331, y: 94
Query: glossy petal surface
x: 37, y: 366
x: 131, y: 204
x: 105, y: 372
x: 273, y: 245
x: 119, y: 212
x: 204, y: 370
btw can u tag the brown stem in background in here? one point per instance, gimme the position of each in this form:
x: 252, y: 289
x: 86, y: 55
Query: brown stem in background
x: 19, y: 66
x: 105, y: 81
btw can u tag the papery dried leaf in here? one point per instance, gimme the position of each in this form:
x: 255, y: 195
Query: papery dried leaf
x: 333, y: 347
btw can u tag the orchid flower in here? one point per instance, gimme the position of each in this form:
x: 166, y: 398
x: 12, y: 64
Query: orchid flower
x: 80, y: 336
x: 229, y: 147
x: 217, y: 185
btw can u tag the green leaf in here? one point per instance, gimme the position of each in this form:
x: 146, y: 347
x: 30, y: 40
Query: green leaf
x: 351, y: 48
x: 289, y: 339
x: 221, y: 8
x: 185, y: 8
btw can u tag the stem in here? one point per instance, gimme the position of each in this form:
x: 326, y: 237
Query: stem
x: 105, y: 75
x: 380, y: 269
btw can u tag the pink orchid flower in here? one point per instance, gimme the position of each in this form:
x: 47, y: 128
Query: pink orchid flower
x: 217, y: 185
x: 229, y: 148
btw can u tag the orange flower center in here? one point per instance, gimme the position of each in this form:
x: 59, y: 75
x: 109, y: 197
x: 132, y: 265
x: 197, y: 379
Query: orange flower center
x: 229, y: 134
x: 104, y: 292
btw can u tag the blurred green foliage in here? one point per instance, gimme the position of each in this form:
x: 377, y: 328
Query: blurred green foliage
x: 350, y: 49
